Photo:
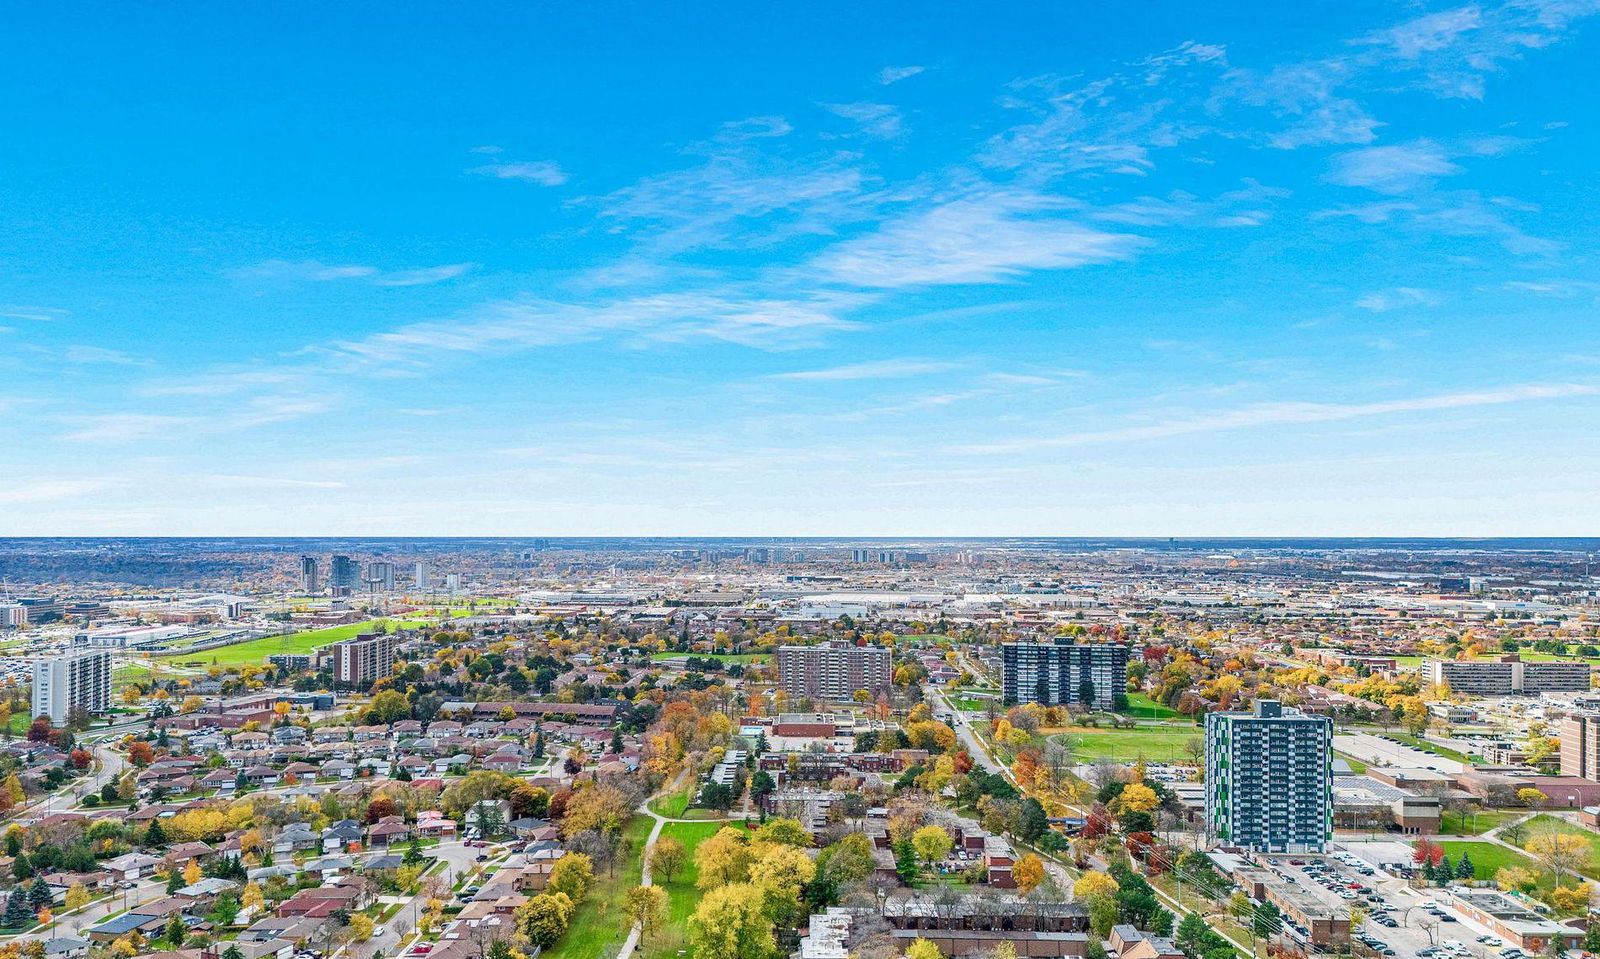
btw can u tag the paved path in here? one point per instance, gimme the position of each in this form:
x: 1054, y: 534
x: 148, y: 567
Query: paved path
x: 632, y: 942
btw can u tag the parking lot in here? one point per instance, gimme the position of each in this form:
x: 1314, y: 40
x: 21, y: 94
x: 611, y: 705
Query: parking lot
x: 1415, y: 912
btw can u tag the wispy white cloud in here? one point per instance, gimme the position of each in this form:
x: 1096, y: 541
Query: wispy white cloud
x: 890, y: 75
x: 12, y: 494
x: 1285, y: 414
x: 36, y: 314
x: 85, y: 354
x: 878, y: 120
x: 1399, y: 298
x: 432, y: 274
x: 314, y: 271
x: 1392, y: 169
x: 872, y: 370
x: 123, y: 427
x: 541, y: 172
x: 980, y: 240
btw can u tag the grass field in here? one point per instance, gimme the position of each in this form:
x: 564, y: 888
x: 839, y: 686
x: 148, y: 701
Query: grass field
x: 681, y: 893
x: 600, y: 922
x: 1141, y: 706
x: 1474, y: 823
x: 744, y: 658
x: 257, y: 650
x: 1542, y: 825
x: 1487, y: 857
x: 672, y: 805
x: 1128, y: 745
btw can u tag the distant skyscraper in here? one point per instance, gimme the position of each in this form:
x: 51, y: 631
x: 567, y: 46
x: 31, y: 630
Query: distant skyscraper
x: 1269, y: 779
x: 78, y: 678
x: 452, y: 582
x: 344, y: 573
x: 1064, y: 673
x: 833, y: 670
x: 380, y: 577
x: 421, y: 576
x: 308, y: 575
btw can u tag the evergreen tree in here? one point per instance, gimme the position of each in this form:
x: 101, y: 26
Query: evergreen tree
x: 176, y: 931
x: 17, y: 912
x: 175, y: 882
x: 1464, y: 868
x: 414, y: 853
x: 39, y: 895
x: 538, y: 745
x: 1189, y: 932
x: 155, y: 836
x: 1444, y: 872
x: 21, y: 867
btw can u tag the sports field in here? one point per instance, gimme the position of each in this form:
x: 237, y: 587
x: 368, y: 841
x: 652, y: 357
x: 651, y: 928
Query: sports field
x: 257, y: 650
x: 1152, y: 744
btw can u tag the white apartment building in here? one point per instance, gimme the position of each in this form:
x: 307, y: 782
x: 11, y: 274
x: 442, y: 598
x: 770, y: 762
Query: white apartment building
x: 81, y: 677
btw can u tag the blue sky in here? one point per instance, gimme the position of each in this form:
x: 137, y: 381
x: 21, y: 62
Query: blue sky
x: 808, y: 268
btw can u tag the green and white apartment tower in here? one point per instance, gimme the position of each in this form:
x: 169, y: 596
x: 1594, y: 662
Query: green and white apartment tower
x: 1269, y: 779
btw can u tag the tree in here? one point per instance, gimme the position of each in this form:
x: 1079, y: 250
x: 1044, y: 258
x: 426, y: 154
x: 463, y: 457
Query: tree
x: 723, y: 859
x: 1092, y: 884
x: 1532, y: 798
x: 1190, y: 931
x: 1561, y: 853
x: 545, y: 917
x: 251, y: 898
x: 666, y: 858
x: 647, y: 905
x: 361, y: 927
x: 176, y: 931
x: 1571, y: 898
x: 572, y: 874
x: 389, y: 706
x: 1465, y: 869
x: 1137, y: 797
x: 77, y: 896
x: 730, y: 923
x: 1267, y: 921
x: 1515, y: 879
x: 1028, y: 872
x: 923, y: 949
x: 787, y: 832
x: 232, y: 952
x: 932, y: 844
x: 192, y: 873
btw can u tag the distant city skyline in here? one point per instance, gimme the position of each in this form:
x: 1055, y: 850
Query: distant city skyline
x: 931, y: 270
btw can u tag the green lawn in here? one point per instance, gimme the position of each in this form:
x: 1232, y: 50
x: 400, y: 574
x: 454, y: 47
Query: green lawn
x: 1127, y: 745
x: 1543, y: 825
x: 1474, y: 823
x: 673, y: 805
x: 682, y: 896
x: 1487, y: 857
x: 1141, y: 706
x: 257, y: 650
x: 600, y: 922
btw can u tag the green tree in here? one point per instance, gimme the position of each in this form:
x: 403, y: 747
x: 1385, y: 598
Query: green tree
x: 731, y: 923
